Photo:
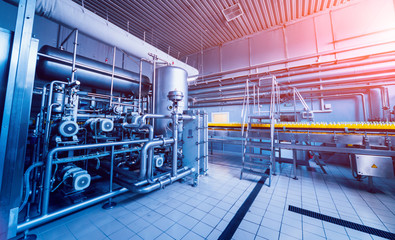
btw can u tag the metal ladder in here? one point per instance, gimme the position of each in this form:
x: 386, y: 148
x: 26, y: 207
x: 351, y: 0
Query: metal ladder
x: 258, y: 155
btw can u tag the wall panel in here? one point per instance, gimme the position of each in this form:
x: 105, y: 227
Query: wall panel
x: 267, y: 46
x: 235, y: 55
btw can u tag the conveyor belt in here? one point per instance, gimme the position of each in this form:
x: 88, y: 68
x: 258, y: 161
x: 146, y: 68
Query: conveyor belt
x: 379, y: 135
x: 345, y: 126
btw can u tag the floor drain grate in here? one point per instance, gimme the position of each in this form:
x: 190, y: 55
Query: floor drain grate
x: 230, y: 230
x: 344, y: 223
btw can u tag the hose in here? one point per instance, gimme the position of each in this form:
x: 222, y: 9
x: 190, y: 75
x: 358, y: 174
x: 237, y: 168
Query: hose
x: 27, y: 184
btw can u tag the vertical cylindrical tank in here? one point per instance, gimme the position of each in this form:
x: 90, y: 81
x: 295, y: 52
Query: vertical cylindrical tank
x: 58, y: 97
x: 168, y: 78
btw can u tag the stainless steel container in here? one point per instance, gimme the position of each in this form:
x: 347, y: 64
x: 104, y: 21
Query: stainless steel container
x: 89, y: 72
x: 168, y: 79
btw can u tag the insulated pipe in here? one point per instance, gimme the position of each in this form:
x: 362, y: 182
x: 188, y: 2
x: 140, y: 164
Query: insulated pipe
x: 49, y: 113
x: 147, y: 146
x: 126, y: 175
x: 175, y: 144
x: 180, y: 116
x: 72, y: 15
x: 365, y: 62
x: 216, y: 89
x: 310, y: 84
x: 365, y: 116
x: 149, y: 115
x: 347, y: 80
x: 158, y: 184
x: 283, y: 61
x: 380, y: 65
x: 73, y: 69
x: 27, y: 184
x: 52, y: 216
x: 57, y: 64
x: 143, y: 162
x: 49, y: 162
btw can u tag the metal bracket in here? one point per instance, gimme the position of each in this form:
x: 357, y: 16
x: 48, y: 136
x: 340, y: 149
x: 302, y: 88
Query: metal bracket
x: 366, y: 141
x: 388, y: 141
x: 202, y: 142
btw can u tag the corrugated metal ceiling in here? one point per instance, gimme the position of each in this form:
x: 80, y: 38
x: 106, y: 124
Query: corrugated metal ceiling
x: 183, y: 27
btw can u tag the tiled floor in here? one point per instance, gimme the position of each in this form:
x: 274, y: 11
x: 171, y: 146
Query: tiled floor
x: 184, y: 212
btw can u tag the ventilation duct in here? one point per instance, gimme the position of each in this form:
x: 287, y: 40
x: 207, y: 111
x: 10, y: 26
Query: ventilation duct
x: 72, y: 15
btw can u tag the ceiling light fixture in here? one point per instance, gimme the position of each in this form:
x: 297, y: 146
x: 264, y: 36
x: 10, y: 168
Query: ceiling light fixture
x: 233, y: 12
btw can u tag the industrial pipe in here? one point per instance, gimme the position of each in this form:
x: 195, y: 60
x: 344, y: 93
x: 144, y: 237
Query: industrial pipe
x: 216, y: 76
x: 282, y: 73
x: 375, y: 83
x: 158, y: 184
x: 49, y: 113
x: 143, y: 119
x: 310, y: 84
x: 52, y: 216
x: 27, y: 184
x: 175, y: 143
x: 149, y: 115
x: 57, y: 64
x: 147, y: 146
x: 320, y: 73
x: 128, y: 176
x: 49, y: 162
x: 365, y: 117
x: 72, y: 15
x: 143, y: 161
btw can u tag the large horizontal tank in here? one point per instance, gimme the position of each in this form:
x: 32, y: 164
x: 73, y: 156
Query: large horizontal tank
x: 168, y: 78
x: 124, y: 81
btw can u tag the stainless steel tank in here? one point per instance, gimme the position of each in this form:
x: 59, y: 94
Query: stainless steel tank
x: 168, y: 78
x: 96, y: 74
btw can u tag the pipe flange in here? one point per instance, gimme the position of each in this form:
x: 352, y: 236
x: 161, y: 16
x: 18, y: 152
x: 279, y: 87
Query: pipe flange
x: 161, y: 184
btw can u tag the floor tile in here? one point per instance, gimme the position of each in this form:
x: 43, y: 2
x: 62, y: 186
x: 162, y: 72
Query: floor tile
x: 241, y: 234
x: 268, y: 233
x: 177, y: 231
x: 183, y: 212
x: 202, y: 229
x: 211, y: 220
x: 151, y: 232
x: 123, y: 234
x: 192, y: 236
x: 249, y: 227
x: 188, y: 222
x: 111, y: 227
x: 138, y: 225
x: 197, y: 214
x: 60, y: 232
x: 164, y: 236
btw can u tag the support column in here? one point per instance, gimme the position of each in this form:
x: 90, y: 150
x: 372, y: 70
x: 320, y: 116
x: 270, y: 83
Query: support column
x: 15, y: 122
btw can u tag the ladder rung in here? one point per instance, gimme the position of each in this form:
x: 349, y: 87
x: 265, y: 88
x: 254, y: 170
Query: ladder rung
x: 253, y: 172
x: 260, y: 162
x: 252, y: 155
x: 257, y: 166
x: 259, y: 130
x: 257, y: 138
x: 259, y: 145
x: 259, y: 117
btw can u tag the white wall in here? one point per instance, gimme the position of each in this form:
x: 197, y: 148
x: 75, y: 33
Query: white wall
x: 358, y: 23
